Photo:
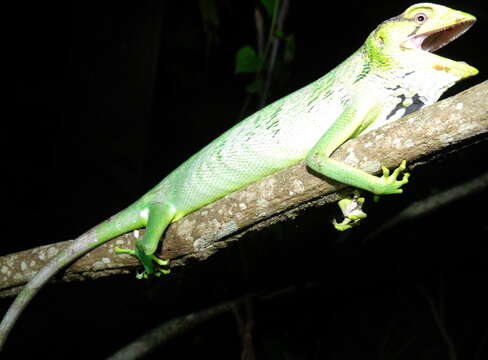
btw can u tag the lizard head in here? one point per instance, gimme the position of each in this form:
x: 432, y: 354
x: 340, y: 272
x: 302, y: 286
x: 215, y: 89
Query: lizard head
x: 422, y: 29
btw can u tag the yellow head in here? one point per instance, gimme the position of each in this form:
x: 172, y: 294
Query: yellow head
x: 422, y: 29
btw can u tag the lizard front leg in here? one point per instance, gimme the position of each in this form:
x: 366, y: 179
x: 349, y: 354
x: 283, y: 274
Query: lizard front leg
x: 351, y: 123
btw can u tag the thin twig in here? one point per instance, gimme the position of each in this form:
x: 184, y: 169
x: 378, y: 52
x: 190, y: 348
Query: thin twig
x: 433, y: 203
x: 167, y: 331
x: 283, y: 11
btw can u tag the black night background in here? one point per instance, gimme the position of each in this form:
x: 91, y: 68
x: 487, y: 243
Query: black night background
x: 112, y: 95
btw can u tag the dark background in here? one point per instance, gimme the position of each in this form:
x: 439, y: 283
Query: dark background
x: 111, y: 96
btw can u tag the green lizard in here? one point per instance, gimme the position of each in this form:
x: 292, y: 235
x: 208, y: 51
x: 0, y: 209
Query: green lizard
x: 392, y: 74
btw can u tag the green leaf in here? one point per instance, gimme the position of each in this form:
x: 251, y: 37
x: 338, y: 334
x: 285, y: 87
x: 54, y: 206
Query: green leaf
x: 247, y: 61
x: 269, y: 6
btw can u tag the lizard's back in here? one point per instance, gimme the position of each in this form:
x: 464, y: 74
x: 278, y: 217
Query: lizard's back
x: 271, y: 139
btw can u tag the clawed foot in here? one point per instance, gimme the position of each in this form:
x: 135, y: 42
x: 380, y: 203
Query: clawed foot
x: 384, y: 185
x: 148, y: 262
x: 389, y: 183
x: 352, y: 209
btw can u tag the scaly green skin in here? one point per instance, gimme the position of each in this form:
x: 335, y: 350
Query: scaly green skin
x: 386, y: 78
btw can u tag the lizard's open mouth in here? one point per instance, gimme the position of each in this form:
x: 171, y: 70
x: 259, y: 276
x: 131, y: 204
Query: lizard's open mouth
x: 434, y: 40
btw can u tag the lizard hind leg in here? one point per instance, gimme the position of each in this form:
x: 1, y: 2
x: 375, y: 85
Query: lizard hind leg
x: 159, y: 216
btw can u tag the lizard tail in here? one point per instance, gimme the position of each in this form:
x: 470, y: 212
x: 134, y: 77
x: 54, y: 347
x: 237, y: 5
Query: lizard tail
x: 126, y: 220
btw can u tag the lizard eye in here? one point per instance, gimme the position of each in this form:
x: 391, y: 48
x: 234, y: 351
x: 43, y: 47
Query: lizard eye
x: 420, y: 18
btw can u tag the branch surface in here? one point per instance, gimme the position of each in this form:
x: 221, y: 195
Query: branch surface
x: 281, y: 196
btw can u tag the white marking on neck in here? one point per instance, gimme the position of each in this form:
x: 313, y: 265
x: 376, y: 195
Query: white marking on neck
x: 144, y: 213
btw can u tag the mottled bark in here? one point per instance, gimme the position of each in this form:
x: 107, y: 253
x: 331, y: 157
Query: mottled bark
x: 281, y: 196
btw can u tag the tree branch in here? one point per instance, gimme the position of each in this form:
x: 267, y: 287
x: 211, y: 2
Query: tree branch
x: 433, y: 203
x: 281, y: 196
